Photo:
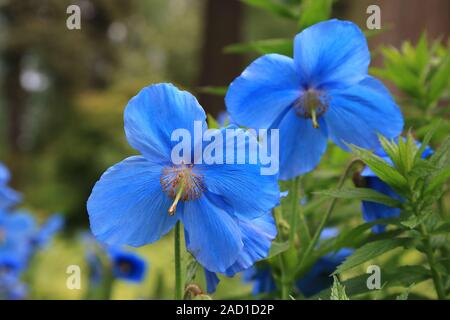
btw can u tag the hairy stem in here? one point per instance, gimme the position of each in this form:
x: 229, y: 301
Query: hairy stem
x: 437, y: 280
x: 178, y: 275
x: 326, y: 217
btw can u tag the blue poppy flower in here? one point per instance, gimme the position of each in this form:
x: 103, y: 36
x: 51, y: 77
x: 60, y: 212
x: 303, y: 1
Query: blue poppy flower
x: 316, y: 280
x: 127, y: 265
x: 257, y: 235
x: 374, y: 211
x: 140, y: 199
x: 8, y: 196
x: 323, y: 92
x: 15, y: 232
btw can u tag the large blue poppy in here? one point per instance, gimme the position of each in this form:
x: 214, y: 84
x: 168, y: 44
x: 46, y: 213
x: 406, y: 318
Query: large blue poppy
x: 130, y: 203
x: 323, y: 92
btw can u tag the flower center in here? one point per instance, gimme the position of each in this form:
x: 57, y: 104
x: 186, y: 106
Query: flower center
x: 311, y: 104
x: 181, y: 183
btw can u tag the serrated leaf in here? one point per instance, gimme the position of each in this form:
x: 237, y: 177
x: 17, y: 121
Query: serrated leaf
x: 338, y: 290
x: 280, y: 46
x: 403, y: 276
x: 370, y: 251
x: 362, y: 194
x: 382, y: 169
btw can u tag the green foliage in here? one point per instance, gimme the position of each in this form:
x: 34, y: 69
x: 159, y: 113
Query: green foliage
x: 313, y: 11
x: 421, y: 73
x: 338, y: 290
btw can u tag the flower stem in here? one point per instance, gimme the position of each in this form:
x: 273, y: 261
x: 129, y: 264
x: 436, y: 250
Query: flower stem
x: 325, y: 218
x: 437, y: 280
x: 178, y: 275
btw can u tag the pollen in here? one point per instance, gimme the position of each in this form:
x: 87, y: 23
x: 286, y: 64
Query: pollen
x: 181, y: 183
x: 311, y: 105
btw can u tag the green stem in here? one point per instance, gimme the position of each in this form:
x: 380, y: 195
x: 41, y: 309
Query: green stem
x: 437, y: 280
x: 178, y: 275
x: 326, y: 217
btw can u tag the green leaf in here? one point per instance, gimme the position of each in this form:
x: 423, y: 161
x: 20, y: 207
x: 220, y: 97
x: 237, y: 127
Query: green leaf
x: 214, y: 90
x: 441, y: 158
x: 442, y: 229
x: 277, y: 248
x: 274, y: 7
x: 439, y: 179
x: 280, y: 46
x: 439, y: 80
x: 313, y: 11
x: 403, y: 276
x: 362, y: 194
x: 212, y: 123
x: 338, y: 290
x: 426, y: 140
x: 370, y: 251
x: 404, y: 295
x: 382, y: 169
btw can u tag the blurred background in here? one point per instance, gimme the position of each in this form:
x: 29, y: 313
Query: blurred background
x: 62, y: 95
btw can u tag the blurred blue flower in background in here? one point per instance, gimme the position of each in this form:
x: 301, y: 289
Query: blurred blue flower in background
x: 323, y: 92
x: 316, y: 280
x: 374, y: 211
x: 20, y: 238
x: 127, y: 265
x: 124, y: 265
x: 140, y: 199
x: 8, y: 196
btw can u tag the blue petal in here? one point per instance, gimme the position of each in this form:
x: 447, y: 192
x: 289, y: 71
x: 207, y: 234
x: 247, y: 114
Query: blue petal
x: 211, y: 281
x: 4, y: 174
x: 331, y: 54
x: 8, y: 197
x: 127, y: 205
x: 263, y: 91
x: 48, y: 230
x: 154, y: 113
x: 358, y: 114
x: 263, y: 281
x: 257, y: 235
x: 213, y: 236
x: 373, y: 211
x: 301, y: 145
x: 242, y: 186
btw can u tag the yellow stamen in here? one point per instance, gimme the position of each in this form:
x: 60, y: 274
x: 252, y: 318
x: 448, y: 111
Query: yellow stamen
x: 173, y: 207
x: 314, y: 119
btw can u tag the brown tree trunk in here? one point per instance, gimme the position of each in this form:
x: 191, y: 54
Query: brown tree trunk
x: 223, y: 20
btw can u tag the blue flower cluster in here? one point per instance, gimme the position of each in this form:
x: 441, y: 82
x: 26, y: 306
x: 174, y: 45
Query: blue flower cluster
x: 323, y: 92
x: 20, y: 238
